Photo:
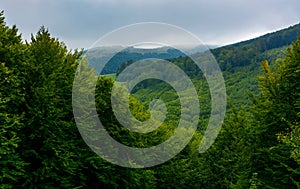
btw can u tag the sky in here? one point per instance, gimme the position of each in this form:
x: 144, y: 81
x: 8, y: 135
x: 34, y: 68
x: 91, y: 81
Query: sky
x: 80, y: 23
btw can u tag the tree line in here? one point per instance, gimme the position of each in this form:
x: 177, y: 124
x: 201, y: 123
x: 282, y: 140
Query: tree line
x: 41, y: 147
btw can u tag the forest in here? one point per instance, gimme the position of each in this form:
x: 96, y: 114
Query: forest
x: 257, y: 147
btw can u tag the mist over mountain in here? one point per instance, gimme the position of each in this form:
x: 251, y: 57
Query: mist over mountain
x: 228, y: 57
x: 246, y: 52
x: 114, y: 56
x: 60, y: 124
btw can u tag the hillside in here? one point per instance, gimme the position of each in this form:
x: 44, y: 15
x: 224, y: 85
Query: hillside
x: 229, y: 57
x: 241, y: 65
x: 248, y: 52
x: 51, y: 137
x: 254, y: 141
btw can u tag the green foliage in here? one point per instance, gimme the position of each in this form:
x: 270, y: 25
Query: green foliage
x: 258, y: 146
x: 12, y: 165
x: 11, y: 117
x: 226, y: 163
x: 276, y: 112
x: 50, y: 136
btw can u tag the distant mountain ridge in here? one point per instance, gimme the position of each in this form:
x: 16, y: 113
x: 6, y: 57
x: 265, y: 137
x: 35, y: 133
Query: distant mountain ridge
x: 120, y: 55
x: 229, y: 57
x: 240, y: 64
x: 247, y: 52
x: 276, y: 39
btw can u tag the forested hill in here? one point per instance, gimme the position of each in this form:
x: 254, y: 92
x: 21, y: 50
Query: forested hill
x: 230, y: 58
x: 41, y: 147
x: 247, y: 52
x: 97, y: 55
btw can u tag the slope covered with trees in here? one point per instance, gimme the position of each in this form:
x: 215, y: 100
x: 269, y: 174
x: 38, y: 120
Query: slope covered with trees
x: 40, y: 146
x: 248, y: 52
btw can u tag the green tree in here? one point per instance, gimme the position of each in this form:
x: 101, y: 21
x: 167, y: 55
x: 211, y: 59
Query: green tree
x: 11, y: 113
x: 12, y: 165
x: 49, y: 138
x: 275, y: 112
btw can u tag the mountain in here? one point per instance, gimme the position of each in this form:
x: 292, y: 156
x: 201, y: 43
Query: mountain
x: 229, y: 57
x: 198, y: 49
x: 116, y: 55
x: 61, y: 129
x: 240, y: 63
x: 247, y: 52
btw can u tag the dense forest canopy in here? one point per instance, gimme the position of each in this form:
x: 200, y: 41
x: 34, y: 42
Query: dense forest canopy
x: 258, y: 146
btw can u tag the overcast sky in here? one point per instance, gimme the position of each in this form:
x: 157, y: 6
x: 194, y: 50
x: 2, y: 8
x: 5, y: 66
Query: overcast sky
x: 79, y: 23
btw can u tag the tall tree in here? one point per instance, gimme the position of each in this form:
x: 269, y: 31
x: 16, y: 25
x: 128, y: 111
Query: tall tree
x: 275, y: 112
x: 11, y: 100
x: 49, y: 136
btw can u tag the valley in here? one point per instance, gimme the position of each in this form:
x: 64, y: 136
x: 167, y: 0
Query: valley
x: 58, y: 105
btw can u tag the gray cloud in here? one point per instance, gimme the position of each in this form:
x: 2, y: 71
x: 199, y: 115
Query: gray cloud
x: 79, y: 23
